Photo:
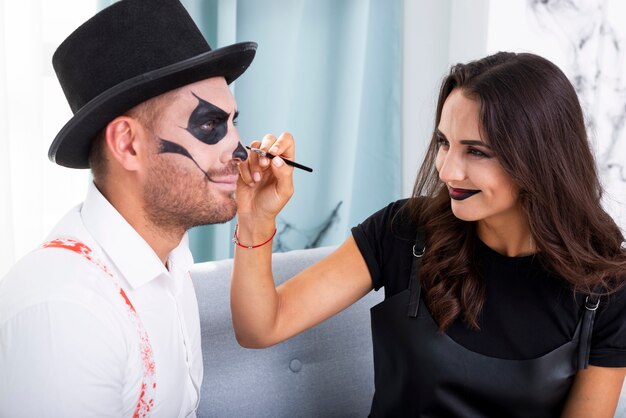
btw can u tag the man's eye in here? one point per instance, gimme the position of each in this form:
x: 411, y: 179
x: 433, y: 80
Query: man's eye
x: 208, y: 126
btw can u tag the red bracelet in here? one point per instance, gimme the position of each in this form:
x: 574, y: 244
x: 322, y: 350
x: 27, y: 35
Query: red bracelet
x: 236, y: 240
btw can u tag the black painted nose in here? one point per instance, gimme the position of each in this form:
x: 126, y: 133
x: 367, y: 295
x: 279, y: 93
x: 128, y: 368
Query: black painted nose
x: 240, y: 152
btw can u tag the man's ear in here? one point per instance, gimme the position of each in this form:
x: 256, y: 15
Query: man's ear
x: 125, y: 141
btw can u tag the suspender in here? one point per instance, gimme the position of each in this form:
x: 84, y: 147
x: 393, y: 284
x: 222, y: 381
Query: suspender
x: 148, y: 384
x: 591, y: 302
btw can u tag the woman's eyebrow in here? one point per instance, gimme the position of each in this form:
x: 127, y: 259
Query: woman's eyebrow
x: 474, y: 142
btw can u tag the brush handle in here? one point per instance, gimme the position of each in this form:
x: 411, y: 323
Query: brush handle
x: 288, y: 162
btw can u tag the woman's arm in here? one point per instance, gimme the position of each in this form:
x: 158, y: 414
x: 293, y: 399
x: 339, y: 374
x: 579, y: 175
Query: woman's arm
x: 595, y: 393
x: 262, y: 314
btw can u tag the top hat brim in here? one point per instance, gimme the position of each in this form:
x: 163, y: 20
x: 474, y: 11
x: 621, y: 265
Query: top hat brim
x: 72, y: 144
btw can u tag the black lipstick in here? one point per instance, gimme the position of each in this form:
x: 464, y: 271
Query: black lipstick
x: 461, y: 194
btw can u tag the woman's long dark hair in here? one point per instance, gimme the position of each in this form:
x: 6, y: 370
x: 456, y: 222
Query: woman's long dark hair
x: 532, y: 119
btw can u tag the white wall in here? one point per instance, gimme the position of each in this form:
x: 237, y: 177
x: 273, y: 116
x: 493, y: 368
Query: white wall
x: 437, y: 34
x: 585, y: 39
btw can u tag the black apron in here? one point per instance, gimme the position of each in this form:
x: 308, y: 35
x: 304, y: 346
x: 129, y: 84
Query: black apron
x: 419, y: 372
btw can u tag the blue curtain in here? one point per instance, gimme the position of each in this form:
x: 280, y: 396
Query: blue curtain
x: 329, y: 72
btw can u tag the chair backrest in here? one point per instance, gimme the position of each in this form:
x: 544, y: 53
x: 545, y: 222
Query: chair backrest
x: 326, y: 371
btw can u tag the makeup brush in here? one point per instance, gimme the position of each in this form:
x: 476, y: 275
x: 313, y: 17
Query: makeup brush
x: 262, y: 153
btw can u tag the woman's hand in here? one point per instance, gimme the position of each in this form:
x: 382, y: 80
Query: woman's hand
x: 263, y: 315
x: 265, y: 186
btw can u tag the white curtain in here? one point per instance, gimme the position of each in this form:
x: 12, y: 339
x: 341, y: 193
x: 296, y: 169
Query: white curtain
x: 35, y: 193
x: 6, y: 212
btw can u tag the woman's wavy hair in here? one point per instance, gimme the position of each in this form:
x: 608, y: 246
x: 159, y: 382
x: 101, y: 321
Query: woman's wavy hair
x: 532, y: 119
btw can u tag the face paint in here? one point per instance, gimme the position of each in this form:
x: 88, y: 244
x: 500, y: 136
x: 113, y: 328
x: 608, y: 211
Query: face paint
x: 208, y: 123
x: 240, y: 152
x: 166, y: 147
x: 177, y: 198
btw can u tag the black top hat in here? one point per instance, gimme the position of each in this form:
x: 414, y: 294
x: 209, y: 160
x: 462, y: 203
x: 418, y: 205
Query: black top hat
x: 126, y: 54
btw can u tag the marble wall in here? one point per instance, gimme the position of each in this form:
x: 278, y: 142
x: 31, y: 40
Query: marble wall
x: 585, y: 38
x: 590, y: 33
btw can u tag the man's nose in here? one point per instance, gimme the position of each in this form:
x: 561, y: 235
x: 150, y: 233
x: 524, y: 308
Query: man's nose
x: 240, y: 153
x: 233, y: 149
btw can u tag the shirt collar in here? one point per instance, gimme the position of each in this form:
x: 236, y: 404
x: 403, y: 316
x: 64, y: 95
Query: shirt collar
x: 130, y: 253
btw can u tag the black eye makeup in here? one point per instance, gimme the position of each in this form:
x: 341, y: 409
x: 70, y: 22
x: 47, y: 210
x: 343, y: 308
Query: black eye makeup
x: 477, y: 153
x: 207, y: 123
x: 474, y: 147
x: 441, y: 139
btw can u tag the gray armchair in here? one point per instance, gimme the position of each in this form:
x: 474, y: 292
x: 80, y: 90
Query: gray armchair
x: 326, y: 371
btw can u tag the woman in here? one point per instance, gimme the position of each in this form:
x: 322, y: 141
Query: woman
x: 487, y: 269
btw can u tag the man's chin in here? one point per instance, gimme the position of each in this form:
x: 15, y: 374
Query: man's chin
x: 226, y: 213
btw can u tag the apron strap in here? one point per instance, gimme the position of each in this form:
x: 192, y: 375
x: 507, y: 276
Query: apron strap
x: 414, y: 286
x: 584, y: 345
x: 591, y: 302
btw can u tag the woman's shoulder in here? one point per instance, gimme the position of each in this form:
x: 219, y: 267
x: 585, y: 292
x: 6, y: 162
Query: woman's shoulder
x: 395, y: 222
x: 402, y: 210
x: 406, y: 216
x: 385, y: 239
x: 608, y: 343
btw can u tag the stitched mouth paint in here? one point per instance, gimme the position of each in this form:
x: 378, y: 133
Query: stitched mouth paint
x: 169, y: 147
x: 214, y: 176
x: 461, y: 194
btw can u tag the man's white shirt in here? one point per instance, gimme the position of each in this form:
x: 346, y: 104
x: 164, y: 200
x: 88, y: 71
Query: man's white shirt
x: 67, y: 345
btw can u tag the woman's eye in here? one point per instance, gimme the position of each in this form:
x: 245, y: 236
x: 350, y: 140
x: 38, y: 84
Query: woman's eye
x: 442, y: 142
x: 477, y: 153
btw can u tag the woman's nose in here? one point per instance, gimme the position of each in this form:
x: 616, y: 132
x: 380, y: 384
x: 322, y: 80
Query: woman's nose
x: 452, y: 168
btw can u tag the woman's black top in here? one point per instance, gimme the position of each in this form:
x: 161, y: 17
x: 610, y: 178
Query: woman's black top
x: 528, y: 311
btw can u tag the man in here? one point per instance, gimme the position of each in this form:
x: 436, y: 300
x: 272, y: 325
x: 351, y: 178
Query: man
x: 102, y: 319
